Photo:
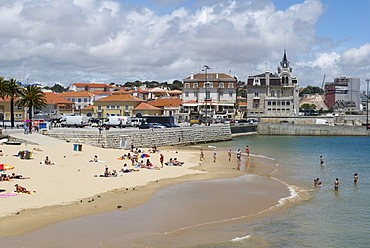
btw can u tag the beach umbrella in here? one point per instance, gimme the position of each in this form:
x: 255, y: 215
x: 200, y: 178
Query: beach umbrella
x: 26, y: 120
x: 6, y: 167
x: 144, y: 155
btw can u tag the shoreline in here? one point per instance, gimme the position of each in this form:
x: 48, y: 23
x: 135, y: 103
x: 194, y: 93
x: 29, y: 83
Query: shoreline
x: 30, y: 219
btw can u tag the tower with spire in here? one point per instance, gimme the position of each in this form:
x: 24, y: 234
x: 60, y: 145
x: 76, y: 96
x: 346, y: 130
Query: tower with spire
x: 273, y: 94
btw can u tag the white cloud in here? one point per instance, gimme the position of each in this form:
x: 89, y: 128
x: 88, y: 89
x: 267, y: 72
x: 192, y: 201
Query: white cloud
x: 76, y: 40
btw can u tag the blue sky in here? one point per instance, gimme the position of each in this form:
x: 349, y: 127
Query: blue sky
x: 53, y: 41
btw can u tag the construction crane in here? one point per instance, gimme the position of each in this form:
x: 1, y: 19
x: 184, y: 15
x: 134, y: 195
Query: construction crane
x: 323, y: 81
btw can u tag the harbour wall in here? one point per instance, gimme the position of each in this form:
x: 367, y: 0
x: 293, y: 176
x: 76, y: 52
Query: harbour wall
x: 310, y: 130
x: 122, y: 138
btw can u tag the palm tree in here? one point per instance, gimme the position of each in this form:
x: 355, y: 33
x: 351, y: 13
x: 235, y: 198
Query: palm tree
x: 31, y: 96
x: 12, y: 90
x: 3, y: 86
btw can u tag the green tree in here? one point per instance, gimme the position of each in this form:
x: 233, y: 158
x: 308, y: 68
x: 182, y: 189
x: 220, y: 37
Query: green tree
x: 311, y: 90
x: 12, y: 91
x: 307, y: 106
x: 31, y: 96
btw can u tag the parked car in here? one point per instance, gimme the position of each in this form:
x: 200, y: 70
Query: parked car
x: 169, y: 125
x: 156, y: 125
x: 144, y: 126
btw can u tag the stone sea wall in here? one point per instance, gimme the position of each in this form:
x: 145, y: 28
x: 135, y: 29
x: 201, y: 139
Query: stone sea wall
x: 122, y: 138
x: 310, y: 130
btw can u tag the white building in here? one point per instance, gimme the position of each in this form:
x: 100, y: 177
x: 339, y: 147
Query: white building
x: 208, y: 95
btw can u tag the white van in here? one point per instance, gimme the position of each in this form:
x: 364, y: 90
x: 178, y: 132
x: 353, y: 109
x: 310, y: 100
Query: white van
x: 117, y: 121
x: 322, y: 122
x: 74, y: 121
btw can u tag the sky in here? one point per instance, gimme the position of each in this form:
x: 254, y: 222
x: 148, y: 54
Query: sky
x: 66, y: 41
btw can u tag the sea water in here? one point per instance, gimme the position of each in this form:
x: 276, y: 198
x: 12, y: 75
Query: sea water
x: 324, y: 217
x: 328, y: 218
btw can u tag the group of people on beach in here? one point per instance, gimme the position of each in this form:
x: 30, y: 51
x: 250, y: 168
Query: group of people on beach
x: 317, y: 182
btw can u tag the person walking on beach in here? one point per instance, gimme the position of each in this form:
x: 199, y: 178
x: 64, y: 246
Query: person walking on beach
x: 321, y: 160
x: 247, y: 150
x: 229, y: 154
x: 161, y: 159
x: 336, y: 184
x: 201, y: 158
x: 214, y: 155
x: 355, y: 178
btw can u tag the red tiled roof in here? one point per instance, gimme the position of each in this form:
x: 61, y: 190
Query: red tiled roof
x: 146, y: 106
x: 190, y: 102
x: 52, y: 98
x: 76, y: 94
x: 120, y: 98
x: 175, y: 102
x: 100, y: 92
x: 89, y: 107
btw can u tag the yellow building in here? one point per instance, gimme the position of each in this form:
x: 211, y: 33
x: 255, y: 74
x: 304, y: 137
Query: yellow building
x: 117, y: 104
x: 19, y: 112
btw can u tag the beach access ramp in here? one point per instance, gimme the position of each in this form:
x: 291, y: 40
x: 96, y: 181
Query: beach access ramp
x: 34, y: 138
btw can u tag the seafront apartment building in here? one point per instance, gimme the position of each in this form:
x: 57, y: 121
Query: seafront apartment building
x: 208, y: 94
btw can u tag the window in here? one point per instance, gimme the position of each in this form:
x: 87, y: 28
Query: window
x: 73, y: 100
x: 221, y: 85
x: 187, y: 85
x: 231, y: 85
x: 208, y: 96
x: 230, y: 94
x: 195, y: 94
x: 221, y: 94
x: 256, y: 94
x: 256, y: 82
x: 208, y: 85
x: 85, y: 99
x: 79, y: 100
x: 186, y: 94
x: 126, y: 107
x: 269, y: 103
x: 195, y: 85
x: 272, y: 93
x: 99, y: 107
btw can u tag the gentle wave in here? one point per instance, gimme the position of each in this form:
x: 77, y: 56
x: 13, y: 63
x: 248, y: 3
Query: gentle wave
x: 241, y: 238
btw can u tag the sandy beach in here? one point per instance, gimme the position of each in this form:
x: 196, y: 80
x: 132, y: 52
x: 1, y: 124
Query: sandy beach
x: 69, y: 189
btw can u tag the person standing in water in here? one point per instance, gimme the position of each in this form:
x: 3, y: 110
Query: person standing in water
x: 336, y: 184
x: 321, y: 160
x: 355, y: 178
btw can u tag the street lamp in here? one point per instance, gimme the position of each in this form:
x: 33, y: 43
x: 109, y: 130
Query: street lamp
x: 367, y: 104
x: 206, y: 68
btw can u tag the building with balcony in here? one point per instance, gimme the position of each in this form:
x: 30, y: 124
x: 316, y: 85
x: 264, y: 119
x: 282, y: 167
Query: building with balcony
x: 273, y: 94
x: 210, y: 95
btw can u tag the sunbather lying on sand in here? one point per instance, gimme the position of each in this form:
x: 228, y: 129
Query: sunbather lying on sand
x: 20, y: 189
x: 14, y: 176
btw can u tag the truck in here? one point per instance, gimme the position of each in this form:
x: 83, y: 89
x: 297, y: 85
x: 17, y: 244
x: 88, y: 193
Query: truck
x: 169, y: 119
x: 117, y: 121
x: 322, y: 122
x: 74, y: 121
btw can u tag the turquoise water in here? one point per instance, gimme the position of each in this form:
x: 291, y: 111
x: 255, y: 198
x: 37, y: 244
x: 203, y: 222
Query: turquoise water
x: 329, y: 218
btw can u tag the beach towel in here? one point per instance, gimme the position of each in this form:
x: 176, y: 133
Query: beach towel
x: 99, y: 161
x: 6, y: 195
x: 31, y: 193
x: 123, y: 158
